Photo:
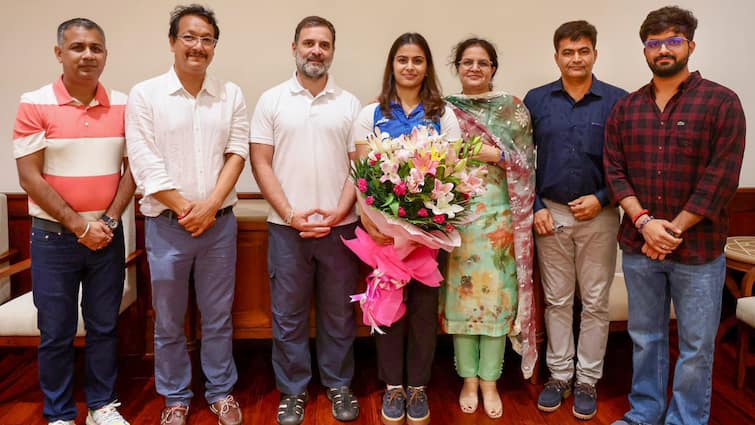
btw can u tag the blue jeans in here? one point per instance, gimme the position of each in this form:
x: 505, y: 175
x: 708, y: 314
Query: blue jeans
x: 300, y: 270
x: 59, y: 265
x: 696, y: 292
x: 172, y: 254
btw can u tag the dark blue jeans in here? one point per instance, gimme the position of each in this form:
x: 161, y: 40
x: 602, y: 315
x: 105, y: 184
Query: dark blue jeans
x: 59, y: 265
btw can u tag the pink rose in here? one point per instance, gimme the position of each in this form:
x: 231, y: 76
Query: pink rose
x: 450, y: 228
x: 422, y: 213
x: 369, y: 200
x: 400, y: 189
x: 401, y: 212
x: 362, y: 185
x: 440, y: 219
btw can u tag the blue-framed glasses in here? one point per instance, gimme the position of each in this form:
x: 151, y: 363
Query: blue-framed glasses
x: 671, y: 43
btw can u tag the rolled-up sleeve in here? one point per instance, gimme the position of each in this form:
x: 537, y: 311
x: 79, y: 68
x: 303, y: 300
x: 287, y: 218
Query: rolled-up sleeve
x: 614, y: 161
x: 147, y: 164
x: 238, y: 142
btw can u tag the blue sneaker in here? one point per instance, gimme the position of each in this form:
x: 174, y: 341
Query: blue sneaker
x: 417, y: 408
x: 394, y: 406
x: 585, y: 401
x: 550, y: 398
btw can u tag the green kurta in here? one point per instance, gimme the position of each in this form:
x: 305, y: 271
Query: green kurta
x: 480, y: 293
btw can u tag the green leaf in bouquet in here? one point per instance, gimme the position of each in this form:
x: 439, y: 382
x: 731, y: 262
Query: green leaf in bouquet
x: 391, y: 197
x: 394, y: 207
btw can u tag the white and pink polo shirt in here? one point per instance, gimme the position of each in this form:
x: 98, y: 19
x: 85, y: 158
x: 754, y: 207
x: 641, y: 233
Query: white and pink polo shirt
x: 85, y: 145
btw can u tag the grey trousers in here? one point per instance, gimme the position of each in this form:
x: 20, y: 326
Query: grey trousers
x: 583, y: 253
x: 172, y: 252
x: 301, y: 269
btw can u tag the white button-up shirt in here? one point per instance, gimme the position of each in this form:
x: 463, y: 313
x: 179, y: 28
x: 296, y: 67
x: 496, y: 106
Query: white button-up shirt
x: 177, y: 141
x: 310, y: 135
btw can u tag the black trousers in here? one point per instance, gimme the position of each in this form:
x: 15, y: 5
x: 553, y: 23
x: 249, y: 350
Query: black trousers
x: 408, y: 346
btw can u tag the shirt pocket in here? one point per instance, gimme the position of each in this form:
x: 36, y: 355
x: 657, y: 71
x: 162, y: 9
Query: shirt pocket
x: 592, y: 139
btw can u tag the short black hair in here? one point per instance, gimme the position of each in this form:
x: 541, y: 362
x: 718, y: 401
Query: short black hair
x: 458, y: 51
x: 669, y: 18
x: 314, y: 21
x: 574, y: 30
x: 78, y: 22
x: 196, y: 10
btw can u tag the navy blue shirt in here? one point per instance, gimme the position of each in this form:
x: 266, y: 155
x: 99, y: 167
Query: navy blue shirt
x: 569, y: 138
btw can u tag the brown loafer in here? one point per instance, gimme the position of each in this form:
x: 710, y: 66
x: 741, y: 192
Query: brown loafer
x: 227, y: 410
x: 174, y: 415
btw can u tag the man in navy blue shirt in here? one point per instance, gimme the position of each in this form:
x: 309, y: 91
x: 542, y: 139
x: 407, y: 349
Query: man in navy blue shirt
x: 575, y: 226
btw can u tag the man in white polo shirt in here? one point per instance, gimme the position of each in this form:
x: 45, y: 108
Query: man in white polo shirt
x: 300, y: 156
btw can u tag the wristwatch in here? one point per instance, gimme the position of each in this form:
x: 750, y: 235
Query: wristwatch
x: 110, y: 221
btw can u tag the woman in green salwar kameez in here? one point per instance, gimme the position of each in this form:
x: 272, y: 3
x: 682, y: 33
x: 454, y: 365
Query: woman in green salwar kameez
x: 487, y: 294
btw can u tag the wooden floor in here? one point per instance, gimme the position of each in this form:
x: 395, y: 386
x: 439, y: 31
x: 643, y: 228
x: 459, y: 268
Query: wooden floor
x: 21, y: 400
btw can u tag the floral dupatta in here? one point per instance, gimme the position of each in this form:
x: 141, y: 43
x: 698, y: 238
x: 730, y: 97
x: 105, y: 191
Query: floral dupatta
x: 503, y: 121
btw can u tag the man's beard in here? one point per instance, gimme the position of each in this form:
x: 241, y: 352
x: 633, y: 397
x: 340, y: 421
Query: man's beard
x: 676, y: 67
x: 311, y: 70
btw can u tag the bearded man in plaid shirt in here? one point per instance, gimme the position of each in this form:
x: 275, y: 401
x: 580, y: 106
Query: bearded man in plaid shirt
x: 672, y: 156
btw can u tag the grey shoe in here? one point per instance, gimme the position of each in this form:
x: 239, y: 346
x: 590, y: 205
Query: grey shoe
x: 550, y: 398
x: 291, y: 408
x: 345, y: 405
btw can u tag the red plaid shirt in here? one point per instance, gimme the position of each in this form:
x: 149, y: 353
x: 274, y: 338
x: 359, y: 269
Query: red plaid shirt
x: 687, y: 157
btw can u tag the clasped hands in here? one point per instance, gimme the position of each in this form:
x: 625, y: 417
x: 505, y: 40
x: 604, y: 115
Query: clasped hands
x: 661, y: 238
x: 315, y: 228
x: 97, y: 237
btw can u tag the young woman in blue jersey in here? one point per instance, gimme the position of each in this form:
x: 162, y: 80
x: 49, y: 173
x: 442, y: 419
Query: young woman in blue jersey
x: 410, y: 97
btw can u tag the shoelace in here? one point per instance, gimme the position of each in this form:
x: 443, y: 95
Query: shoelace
x: 585, y: 388
x: 227, y: 403
x: 168, y: 413
x: 557, y: 383
x: 108, y: 414
x: 395, y: 395
x: 417, y: 395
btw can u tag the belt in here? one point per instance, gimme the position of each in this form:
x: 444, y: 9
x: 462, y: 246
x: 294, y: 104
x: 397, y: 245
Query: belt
x: 48, y: 226
x: 172, y: 216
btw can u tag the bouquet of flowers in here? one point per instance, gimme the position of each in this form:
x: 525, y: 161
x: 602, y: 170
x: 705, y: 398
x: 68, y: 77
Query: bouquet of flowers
x: 415, y: 189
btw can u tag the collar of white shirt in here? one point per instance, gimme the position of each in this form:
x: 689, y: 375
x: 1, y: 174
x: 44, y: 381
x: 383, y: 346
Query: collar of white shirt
x: 296, y: 87
x: 211, y: 85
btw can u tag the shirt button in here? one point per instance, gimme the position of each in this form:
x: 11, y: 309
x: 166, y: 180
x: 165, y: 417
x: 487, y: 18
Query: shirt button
x: 662, y: 123
x: 659, y: 197
x: 86, y: 123
x: 660, y: 172
x: 660, y: 148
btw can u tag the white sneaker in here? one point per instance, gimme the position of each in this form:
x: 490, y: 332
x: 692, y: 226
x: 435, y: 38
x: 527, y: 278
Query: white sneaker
x: 106, y: 415
x: 62, y: 422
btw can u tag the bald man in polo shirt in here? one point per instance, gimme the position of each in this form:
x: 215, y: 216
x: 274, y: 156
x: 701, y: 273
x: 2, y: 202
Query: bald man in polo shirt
x: 300, y: 153
x: 76, y: 204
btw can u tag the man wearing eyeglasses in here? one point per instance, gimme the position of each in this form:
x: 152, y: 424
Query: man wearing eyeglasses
x: 186, y: 133
x: 673, y: 155
x: 574, y: 222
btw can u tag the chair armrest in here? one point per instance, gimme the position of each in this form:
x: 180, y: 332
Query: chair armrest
x: 15, y: 268
x: 8, y: 255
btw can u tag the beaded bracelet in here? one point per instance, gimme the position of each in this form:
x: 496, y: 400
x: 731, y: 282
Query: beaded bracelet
x: 290, y: 217
x: 644, y: 222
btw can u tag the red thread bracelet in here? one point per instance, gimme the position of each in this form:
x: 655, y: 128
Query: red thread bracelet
x: 638, y: 215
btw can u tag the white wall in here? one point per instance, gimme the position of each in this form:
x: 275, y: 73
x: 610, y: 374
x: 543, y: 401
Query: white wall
x: 254, y: 49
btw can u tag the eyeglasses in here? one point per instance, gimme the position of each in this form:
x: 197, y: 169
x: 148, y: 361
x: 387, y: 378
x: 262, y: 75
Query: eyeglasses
x: 671, y: 43
x: 482, y: 64
x: 191, y: 40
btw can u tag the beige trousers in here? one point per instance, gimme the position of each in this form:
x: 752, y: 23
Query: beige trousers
x: 583, y: 253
